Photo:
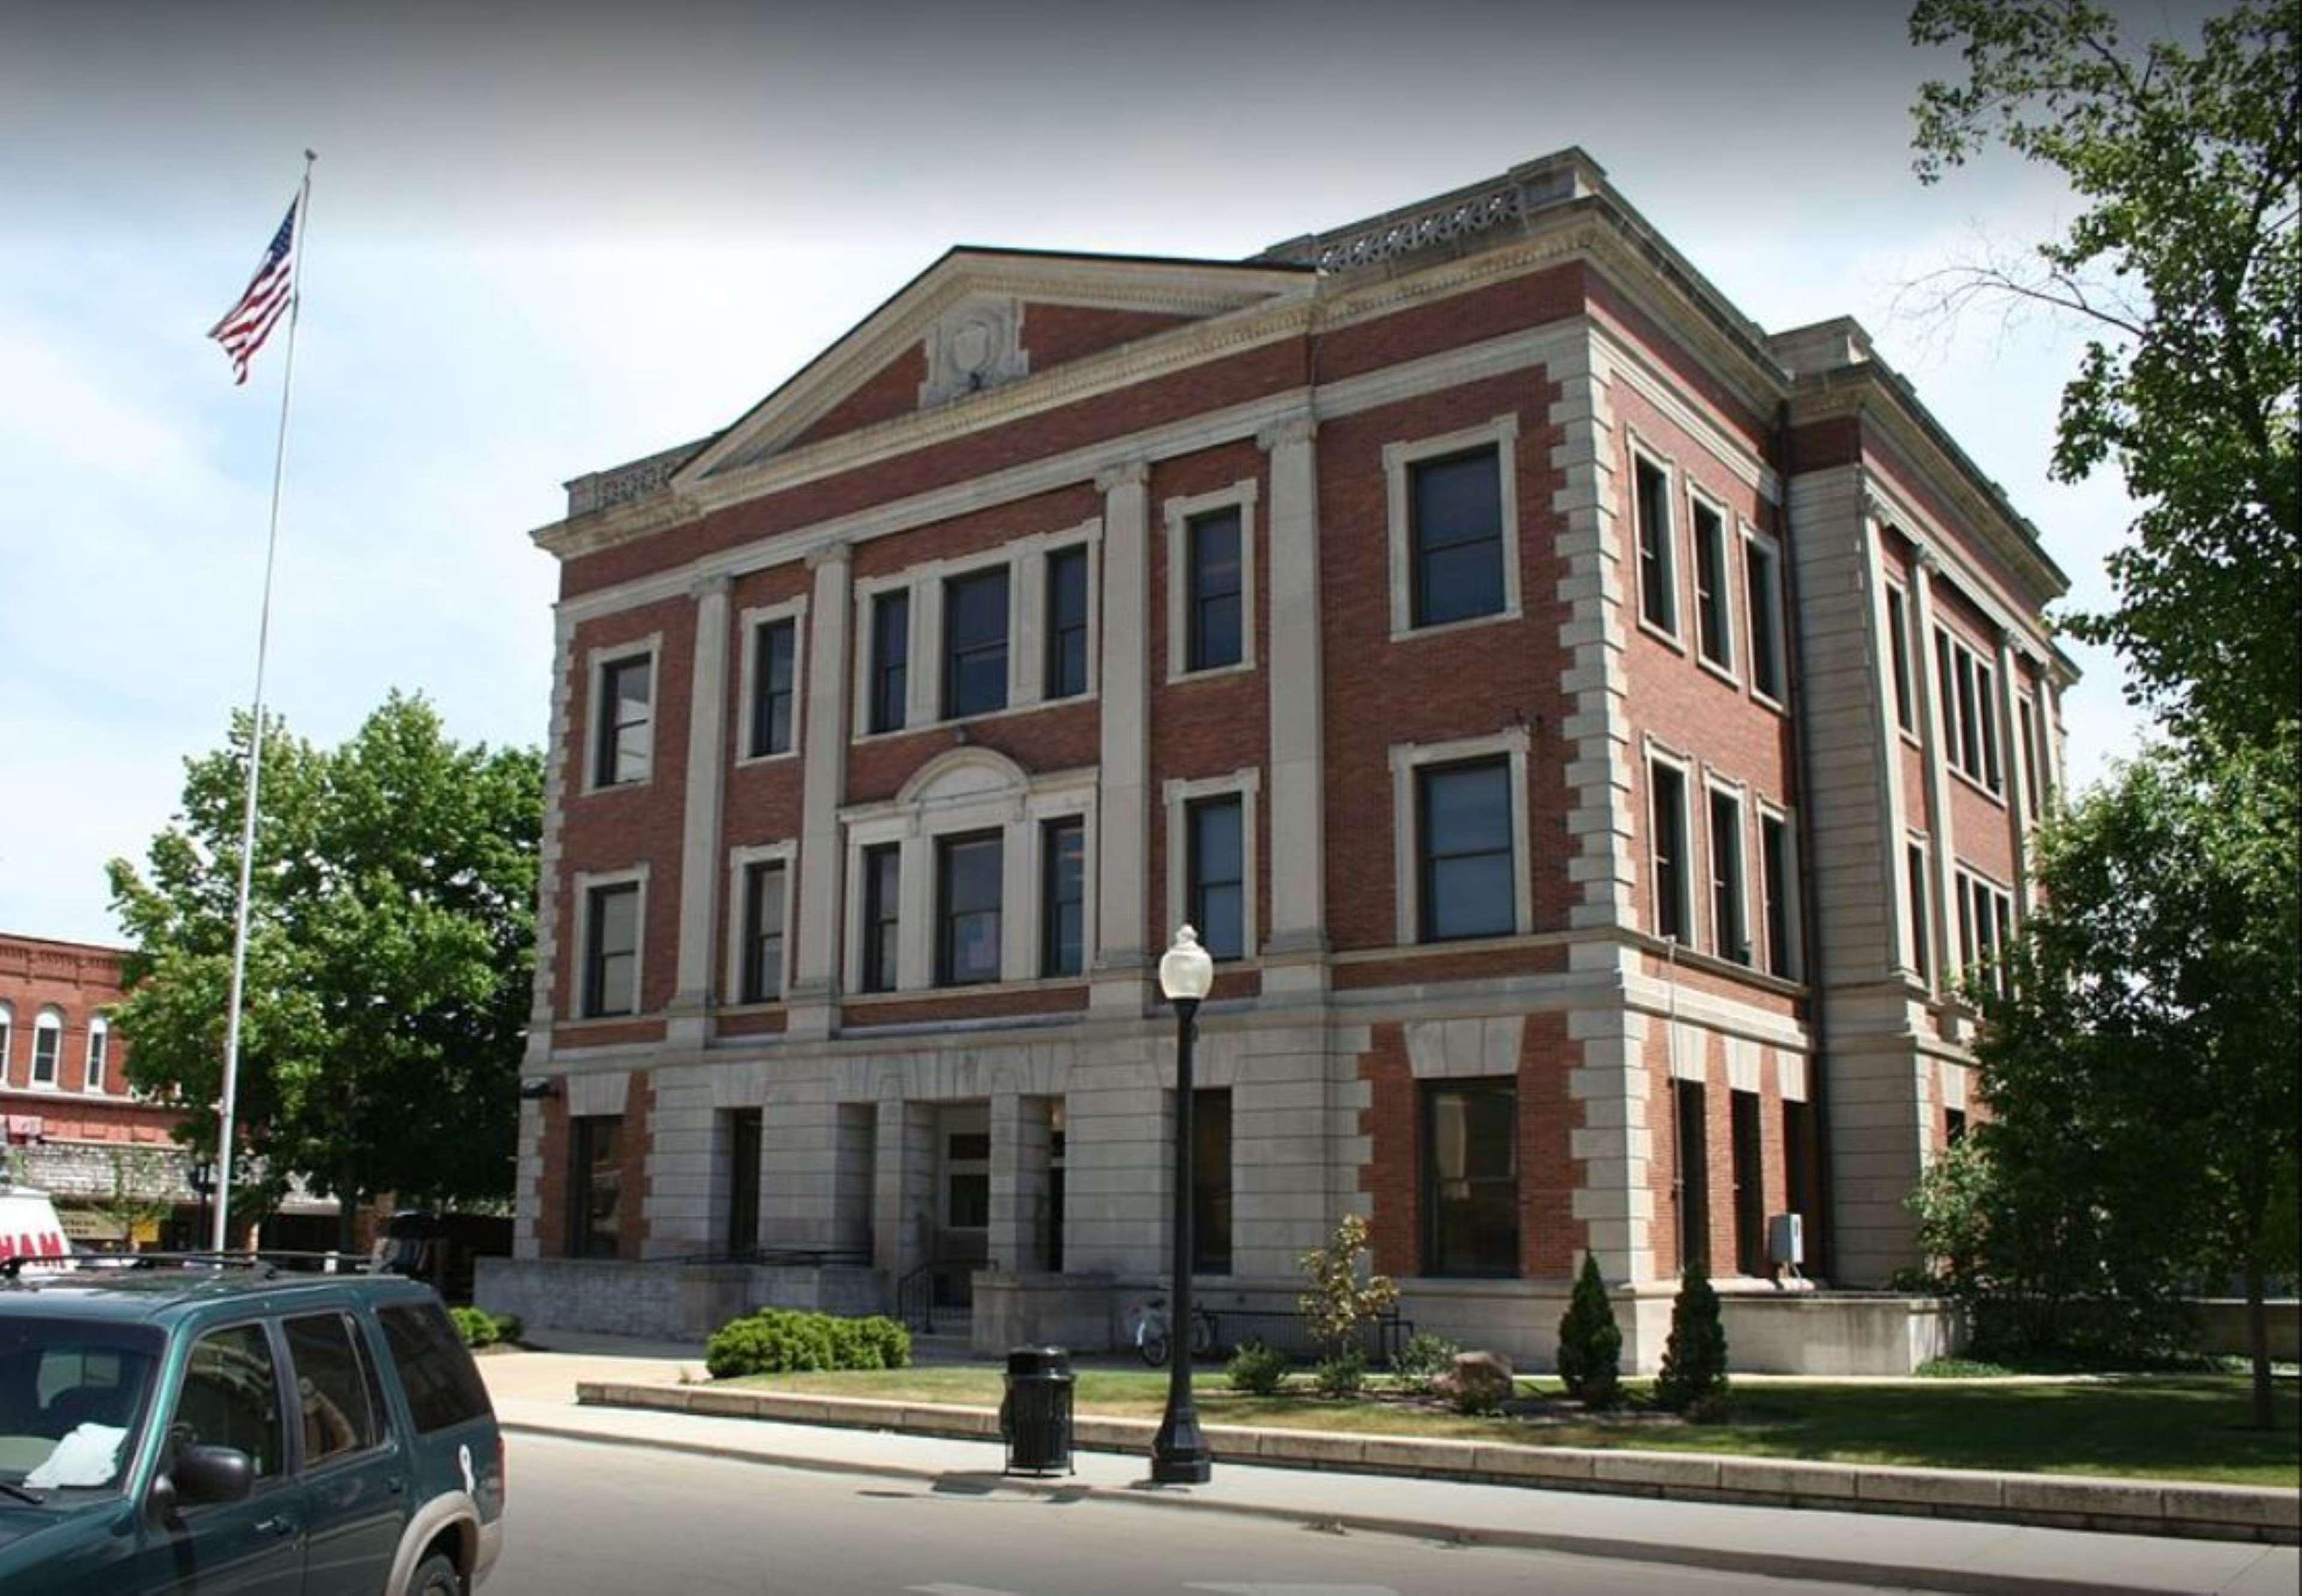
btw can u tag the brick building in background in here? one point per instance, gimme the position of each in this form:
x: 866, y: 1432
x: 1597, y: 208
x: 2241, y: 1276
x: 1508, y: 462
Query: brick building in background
x: 71, y: 1126
x: 1592, y: 732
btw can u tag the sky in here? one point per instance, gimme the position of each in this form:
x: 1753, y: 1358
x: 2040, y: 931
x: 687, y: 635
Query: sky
x: 545, y: 238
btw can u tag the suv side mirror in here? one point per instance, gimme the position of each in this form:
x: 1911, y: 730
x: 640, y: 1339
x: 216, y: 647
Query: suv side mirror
x: 206, y: 1475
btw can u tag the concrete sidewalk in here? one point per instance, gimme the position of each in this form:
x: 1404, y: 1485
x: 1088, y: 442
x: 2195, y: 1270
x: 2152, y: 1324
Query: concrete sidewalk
x: 1804, y: 1543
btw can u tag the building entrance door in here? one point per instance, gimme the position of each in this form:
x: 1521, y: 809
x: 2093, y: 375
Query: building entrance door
x: 963, y: 1243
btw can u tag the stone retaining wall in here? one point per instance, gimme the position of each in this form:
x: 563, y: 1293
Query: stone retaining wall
x: 665, y: 1301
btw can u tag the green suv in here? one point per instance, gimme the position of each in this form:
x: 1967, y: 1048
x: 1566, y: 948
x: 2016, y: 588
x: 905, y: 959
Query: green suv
x: 195, y: 1425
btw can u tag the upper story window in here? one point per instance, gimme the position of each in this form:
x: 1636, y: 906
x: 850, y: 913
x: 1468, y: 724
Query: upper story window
x: 975, y: 643
x: 625, y: 748
x: 883, y: 881
x: 1779, y: 882
x: 764, y: 889
x: 1986, y: 924
x: 1658, y: 563
x: 775, y: 669
x: 1465, y: 876
x: 1062, y: 887
x: 2026, y: 708
x: 47, y: 1045
x: 1714, y: 605
x: 1458, y: 536
x: 1730, y: 929
x: 891, y: 654
x: 1762, y: 574
x: 1216, y: 874
x: 1898, y: 651
x: 969, y: 871
x: 1216, y: 637
x: 7, y: 1038
x: 1921, y: 901
x: 611, y: 963
x: 1066, y: 668
x: 1969, y: 731
x: 1668, y: 841
x: 99, y: 1046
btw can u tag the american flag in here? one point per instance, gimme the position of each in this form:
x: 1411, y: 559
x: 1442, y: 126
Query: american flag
x: 247, y: 324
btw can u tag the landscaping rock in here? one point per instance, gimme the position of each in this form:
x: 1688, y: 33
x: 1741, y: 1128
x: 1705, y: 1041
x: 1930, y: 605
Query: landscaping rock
x: 1479, y: 1382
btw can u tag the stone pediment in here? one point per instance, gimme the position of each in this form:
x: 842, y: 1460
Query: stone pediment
x: 979, y: 320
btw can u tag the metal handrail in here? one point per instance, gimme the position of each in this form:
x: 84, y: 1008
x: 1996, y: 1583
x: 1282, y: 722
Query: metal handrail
x: 915, y: 1298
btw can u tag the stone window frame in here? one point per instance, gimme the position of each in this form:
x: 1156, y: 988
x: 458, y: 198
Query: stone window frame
x: 740, y: 861
x: 747, y: 635
x: 1777, y: 622
x: 1982, y: 677
x: 595, y: 672
x: 1177, y: 795
x: 1971, y: 883
x: 1692, y: 874
x: 1407, y: 759
x: 1674, y: 575
x: 1698, y: 498
x: 47, y: 1021
x: 1794, y: 915
x: 1179, y: 512
x: 1715, y: 786
x: 96, y: 1059
x: 586, y: 882
x: 1399, y: 456
x: 1018, y: 813
x: 1026, y: 558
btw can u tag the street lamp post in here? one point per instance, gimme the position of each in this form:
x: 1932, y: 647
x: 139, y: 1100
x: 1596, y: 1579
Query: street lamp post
x: 1179, y: 1452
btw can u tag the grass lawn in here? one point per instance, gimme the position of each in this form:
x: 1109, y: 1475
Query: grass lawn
x: 2170, y: 1426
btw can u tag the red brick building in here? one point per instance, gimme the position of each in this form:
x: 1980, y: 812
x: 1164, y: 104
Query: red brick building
x: 1590, y: 729
x: 72, y: 1127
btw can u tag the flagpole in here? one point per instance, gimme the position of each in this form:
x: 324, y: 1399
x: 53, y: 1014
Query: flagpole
x: 221, y: 1237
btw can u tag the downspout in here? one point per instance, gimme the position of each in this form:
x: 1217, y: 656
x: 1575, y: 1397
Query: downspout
x: 1817, y: 1073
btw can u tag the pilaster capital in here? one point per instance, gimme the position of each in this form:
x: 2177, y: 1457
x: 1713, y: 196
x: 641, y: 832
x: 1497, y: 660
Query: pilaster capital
x: 830, y: 554
x: 1295, y: 429
x: 710, y: 584
x: 1133, y: 473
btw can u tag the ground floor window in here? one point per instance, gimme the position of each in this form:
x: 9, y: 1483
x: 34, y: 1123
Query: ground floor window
x: 1694, y: 1177
x: 1470, y: 1178
x: 744, y: 1127
x: 595, y: 1186
x: 1798, y: 1165
x: 1750, y: 1186
x: 1211, y: 1181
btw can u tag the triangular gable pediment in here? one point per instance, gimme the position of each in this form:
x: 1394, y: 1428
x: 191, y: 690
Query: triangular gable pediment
x: 977, y: 320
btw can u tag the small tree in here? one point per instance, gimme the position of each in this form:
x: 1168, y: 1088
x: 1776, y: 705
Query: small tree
x: 1339, y: 1304
x: 142, y: 1178
x: 1694, y: 1378
x: 1590, y: 1341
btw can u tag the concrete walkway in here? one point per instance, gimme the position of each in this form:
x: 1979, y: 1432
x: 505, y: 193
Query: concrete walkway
x: 534, y: 1394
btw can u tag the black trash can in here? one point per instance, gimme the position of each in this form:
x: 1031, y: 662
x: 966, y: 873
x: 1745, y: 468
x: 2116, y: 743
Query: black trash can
x: 1035, y: 1417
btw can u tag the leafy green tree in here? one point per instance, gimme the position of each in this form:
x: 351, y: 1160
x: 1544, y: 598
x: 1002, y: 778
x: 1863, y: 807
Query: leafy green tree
x: 1339, y: 1300
x: 2184, y: 262
x: 2138, y: 1050
x: 1590, y: 1341
x: 1693, y: 1378
x: 392, y: 933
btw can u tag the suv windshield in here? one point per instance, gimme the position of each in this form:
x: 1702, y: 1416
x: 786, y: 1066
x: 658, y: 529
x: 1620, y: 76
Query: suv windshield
x: 71, y: 1394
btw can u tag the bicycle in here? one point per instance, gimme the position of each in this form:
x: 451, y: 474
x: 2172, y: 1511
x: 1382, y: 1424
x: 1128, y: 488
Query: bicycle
x: 1148, y: 1327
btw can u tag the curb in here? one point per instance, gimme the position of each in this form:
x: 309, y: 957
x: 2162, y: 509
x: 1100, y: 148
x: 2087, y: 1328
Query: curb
x: 2168, y: 1508
x: 1769, y: 1565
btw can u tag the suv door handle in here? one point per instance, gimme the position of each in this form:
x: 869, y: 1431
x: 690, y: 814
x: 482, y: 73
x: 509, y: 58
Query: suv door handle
x: 395, y: 1484
x: 280, y: 1524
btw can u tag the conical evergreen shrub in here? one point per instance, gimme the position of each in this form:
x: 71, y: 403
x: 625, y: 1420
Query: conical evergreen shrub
x: 1694, y: 1378
x: 1590, y: 1341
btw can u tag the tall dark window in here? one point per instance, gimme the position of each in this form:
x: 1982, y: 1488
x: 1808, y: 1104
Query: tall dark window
x: 611, y: 966
x: 1729, y: 937
x: 967, y: 909
x: 1985, y: 700
x: 773, y: 668
x: 1694, y: 1175
x: 1775, y: 880
x: 891, y: 655
x: 1916, y: 857
x: 595, y: 1186
x: 1215, y: 615
x: 1657, y: 575
x: 2027, y: 726
x: 744, y: 1132
x: 1798, y: 1164
x: 1066, y: 623
x: 1765, y: 595
x: 1749, y: 1185
x: 626, y: 720
x: 1714, y: 622
x: 1456, y: 506
x: 1466, y: 880
x: 1211, y: 1180
x: 883, y: 877
x: 1063, y: 903
x: 1953, y: 1126
x: 1470, y: 1178
x: 763, y: 931
x: 1898, y: 647
x: 1215, y: 878
x: 975, y: 643
x: 1667, y: 819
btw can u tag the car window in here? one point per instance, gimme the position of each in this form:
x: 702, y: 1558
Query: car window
x: 443, y: 1387
x: 71, y: 1392
x: 332, y: 1389
x: 231, y: 1397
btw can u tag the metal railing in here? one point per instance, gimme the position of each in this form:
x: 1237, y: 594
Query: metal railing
x: 915, y: 1299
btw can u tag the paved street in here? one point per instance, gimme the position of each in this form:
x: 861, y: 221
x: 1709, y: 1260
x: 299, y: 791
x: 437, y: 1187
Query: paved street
x: 586, y: 1517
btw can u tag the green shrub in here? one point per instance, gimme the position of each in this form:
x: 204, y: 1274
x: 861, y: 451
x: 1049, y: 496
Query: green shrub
x: 1343, y: 1375
x: 1423, y: 1359
x: 510, y: 1327
x: 476, y: 1326
x: 1256, y: 1370
x: 889, y: 1340
x: 1590, y: 1341
x: 1693, y: 1376
x: 788, y: 1341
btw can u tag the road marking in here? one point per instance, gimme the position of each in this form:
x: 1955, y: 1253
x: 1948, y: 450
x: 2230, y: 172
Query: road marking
x: 1270, y: 1590
x: 964, y: 1590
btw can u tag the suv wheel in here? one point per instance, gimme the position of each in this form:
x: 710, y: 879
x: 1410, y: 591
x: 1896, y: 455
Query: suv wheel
x: 436, y: 1576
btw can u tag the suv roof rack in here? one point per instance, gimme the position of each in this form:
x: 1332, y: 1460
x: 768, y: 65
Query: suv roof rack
x: 273, y: 1263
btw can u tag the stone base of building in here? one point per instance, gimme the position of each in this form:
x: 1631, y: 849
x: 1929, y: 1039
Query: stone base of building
x: 666, y: 1301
